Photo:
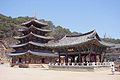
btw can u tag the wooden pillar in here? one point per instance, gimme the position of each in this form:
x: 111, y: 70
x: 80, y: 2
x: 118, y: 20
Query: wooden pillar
x: 59, y: 58
x: 29, y: 60
x: 95, y: 57
x: 46, y: 60
x: 12, y: 60
x: 79, y: 57
x: 25, y: 60
x: 90, y: 57
x: 109, y: 59
x: 22, y: 60
x: 100, y: 57
x: 73, y: 59
x: 85, y: 58
x: 66, y: 58
x: 35, y: 60
x: 40, y: 60
x: 50, y: 60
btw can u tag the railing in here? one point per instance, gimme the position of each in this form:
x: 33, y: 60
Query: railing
x: 83, y: 64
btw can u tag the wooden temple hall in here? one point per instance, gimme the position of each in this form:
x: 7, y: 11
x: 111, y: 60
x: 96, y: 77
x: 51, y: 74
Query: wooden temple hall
x: 35, y: 47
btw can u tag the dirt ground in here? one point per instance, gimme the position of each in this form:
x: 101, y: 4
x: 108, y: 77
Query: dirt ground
x: 9, y: 73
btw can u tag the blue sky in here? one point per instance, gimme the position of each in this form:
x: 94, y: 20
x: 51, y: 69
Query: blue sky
x: 76, y: 15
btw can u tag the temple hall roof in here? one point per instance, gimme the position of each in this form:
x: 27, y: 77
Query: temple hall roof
x: 79, y: 39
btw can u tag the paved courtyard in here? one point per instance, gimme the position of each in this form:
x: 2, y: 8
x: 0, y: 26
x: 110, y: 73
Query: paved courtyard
x: 8, y: 73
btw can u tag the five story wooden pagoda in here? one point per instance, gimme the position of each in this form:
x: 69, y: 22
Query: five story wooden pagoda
x: 31, y: 48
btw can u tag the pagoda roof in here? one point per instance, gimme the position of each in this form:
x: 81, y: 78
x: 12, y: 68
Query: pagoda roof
x: 39, y: 36
x: 79, y: 39
x: 34, y: 22
x: 34, y: 53
x: 30, y: 42
x: 33, y: 27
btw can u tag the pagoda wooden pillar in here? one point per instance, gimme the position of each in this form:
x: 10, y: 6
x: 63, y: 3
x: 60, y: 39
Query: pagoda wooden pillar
x: 14, y: 60
x: 25, y: 60
x: 35, y: 60
x: 22, y: 60
x: 29, y: 60
x: 90, y: 57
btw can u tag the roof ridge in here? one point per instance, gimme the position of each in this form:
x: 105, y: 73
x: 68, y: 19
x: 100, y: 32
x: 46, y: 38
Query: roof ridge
x: 81, y: 34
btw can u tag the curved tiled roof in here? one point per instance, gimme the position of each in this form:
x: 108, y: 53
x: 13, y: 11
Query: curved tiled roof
x: 31, y: 27
x: 116, y: 46
x: 76, y: 39
x: 36, y: 22
x: 79, y: 39
x: 34, y: 53
x: 39, y: 36
x: 30, y: 42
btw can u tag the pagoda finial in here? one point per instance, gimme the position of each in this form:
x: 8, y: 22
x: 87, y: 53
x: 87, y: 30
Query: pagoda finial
x: 35, y: 14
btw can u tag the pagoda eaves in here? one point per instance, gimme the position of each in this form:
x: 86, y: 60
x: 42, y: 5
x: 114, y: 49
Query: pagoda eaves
x: 35, y: 23
x: 33, y: 27
x: 30, y: 42
x: 34, y: 53
x: 35, y: 35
